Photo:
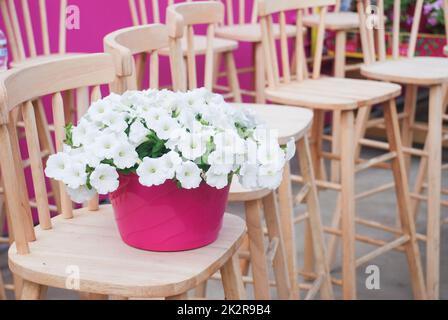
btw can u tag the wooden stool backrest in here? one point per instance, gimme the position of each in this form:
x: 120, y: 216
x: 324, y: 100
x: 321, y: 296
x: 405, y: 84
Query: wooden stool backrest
x: 267, y: 9
x: 182, y: 18
x: 14, y: 32
x: 18, y: 89
x: 377, y: 51
x: 124, y: 44
x: 139, y: 12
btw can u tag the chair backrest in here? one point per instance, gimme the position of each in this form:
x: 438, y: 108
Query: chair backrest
x: 242, y: 7
x: 378, y: 51
x: 18, y: 89
x: 139, y: 10
x: 124, y: 44
x: 182, y: 18
x: 267, y: 10
x: 15, y: 33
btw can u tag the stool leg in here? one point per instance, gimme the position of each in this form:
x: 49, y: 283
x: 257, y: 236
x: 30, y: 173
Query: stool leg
x: 31, y: 291
x: 434, y: 190
x: 403, y: 197
x: 260, y: 76
x: 232, y: 75
x: 280, y: 264
x: 348, y: 205
x: 316, y: 144
x: 339, y: 59
x: 232, y: 280
x: 315, y: 222
x: 287, y: 225
x: 257, y: 250
x: 407, y: 133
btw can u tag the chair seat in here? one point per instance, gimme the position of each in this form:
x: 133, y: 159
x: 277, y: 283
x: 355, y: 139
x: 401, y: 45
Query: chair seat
x: 240, y: 194
x: 91, y: 242
x: 291, y: 122
x: 333, y: 93
x: 250, y: 32
x: 419, y: 70
x: 334, y: 21
x: 200, y: 46
x: 42, y: 58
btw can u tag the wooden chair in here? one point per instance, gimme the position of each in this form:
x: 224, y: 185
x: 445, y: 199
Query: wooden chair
x: 291, y: 124
x: 87, y: 239
x: 412, y: 72
x: 242, y: 30
x: 347, y: 96
x: 222, y: 47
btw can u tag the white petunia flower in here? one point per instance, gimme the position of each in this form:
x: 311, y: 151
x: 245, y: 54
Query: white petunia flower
x: 269, y: 177
x: 104, y: 178
x: 219, y: 181
x: 137, y: 133
x: 192, y: 146
x: 124, y: 156
x: 98, y: 110
x: 57, y: 165
x: 230, y: 141
x: 271, y: 155
x: 166, y: 127
x: 104, y: 146
x: 221, y: 162
x: 189, y: 175
x: 171, y: 161
x: 153, y: 116
x: 81, y: 194
x: 152, y: 172
x: 115, y: 121
x: 83, y: 133
x: 75, y: 175
x: 290, y: 149
x: 248, y: 176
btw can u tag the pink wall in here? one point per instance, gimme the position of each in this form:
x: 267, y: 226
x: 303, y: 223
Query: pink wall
x: 99, y: 17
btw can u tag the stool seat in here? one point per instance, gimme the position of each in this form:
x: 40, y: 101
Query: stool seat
x: 291, y: 122
x: 419, y: 71
x: 334, y: 21
x: 251, y: 32
x: 333, y: 93
x: 200, y: 46
x: 91, y: 242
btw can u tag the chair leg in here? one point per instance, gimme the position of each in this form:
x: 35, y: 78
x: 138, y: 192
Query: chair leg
x: 232, y: 75
x: 315, y: 223
x: 348, y: 205
x: 407, y: 133
x: 216, y: 68
x: 434, y: 190
x: 403, y: 197
x: 286, y: 222
x: 31, y: 290
x: 280, y: 264
x: 260, y: 75
x: 257, y: 250
x: 232, y: 280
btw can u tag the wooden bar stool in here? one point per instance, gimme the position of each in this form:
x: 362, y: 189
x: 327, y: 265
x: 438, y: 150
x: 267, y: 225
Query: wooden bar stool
x: 340, y: 23
x: 222, y: 47
x: 346, y: 95
x: 296, y: 126
x: 412, y: 72
x: 243, y: 30
x: 40, y: 255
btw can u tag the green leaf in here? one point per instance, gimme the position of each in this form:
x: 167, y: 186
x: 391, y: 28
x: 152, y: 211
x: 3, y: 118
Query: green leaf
x: 69, y: 134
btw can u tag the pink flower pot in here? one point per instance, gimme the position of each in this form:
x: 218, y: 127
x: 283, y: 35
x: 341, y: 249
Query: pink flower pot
x: 165, y: 217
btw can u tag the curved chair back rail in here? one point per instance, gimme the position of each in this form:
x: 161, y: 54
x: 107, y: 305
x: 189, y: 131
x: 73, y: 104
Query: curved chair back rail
x: 19, y: 89
x: 125, y: 43
x: 184, y: 16
x: 14, y: 32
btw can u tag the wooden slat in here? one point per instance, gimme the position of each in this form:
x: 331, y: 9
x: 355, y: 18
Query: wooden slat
x: 59, y: 124
x: 191, y: 59
x: 29, y: 28
x: 62, y: 27
x: 154, y: 70
x: 10, y: 33
x: 284, y: 49
x: 320, y: 37
x: 143, y: 14
x: 134, y: 14
x: 415, y: 28
x: 381, y: 250
x: 93, y: 204
x: 17, y: 30
x: 44, y: 26
x: 32, y: 141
